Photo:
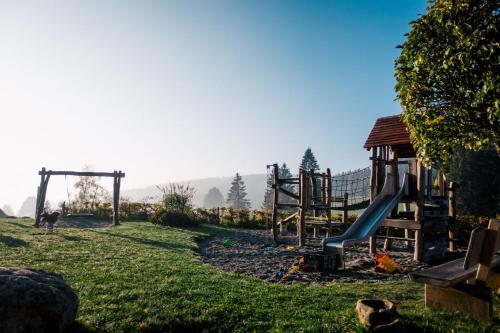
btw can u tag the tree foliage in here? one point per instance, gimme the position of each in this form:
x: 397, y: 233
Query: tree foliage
x: 309, y: 160
x: 89, y: 192
x: 213, y: 198
x: 447, y: 78
x: 236, y: 198
x: 478, y: 178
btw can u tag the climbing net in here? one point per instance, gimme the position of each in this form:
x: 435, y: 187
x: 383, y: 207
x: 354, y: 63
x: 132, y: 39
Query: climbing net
x: 356, y: 183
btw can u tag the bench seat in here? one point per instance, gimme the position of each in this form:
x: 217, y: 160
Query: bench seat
x: 450, y: 273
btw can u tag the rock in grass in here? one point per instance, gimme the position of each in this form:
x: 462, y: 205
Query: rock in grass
x: 379, y: 316
x: 35, y: 301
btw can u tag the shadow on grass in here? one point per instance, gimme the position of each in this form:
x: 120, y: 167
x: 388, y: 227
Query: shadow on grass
x: 19, y: 225
x: 145, y: 241
x: 12, y: 242
x: 73, y: 238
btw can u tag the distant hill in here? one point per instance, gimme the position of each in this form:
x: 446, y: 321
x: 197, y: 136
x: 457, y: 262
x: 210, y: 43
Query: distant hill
x: 28, y: 207
x: 256, y: 185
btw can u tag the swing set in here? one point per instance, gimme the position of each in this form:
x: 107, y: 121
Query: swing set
x: 44, y: 182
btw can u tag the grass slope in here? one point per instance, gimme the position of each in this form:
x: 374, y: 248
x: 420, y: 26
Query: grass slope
x: 141, y: 277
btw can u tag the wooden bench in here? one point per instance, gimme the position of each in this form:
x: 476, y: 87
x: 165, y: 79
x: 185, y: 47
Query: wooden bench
x: 466, y: 284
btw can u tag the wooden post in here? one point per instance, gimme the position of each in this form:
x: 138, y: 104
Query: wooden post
x: 274, y: 216
x: 395, y: 172
x: 314, y: 193
x: 381, y: 169
x: 407, y: 231
x: 116, y: 198
x: 345, y: 203
x: 373, y: 244
x: 452, y: 214
x: 301, y: 225
x: 39, y: 207
x: 323, y: 189
x: 329, y: 200
x: 376, y: 179
x: 429, y: 184
x: 374, y: 175
x: 441, y: 183
x: 41, y: 199
x: 394, y: 212
x: 419, y: 210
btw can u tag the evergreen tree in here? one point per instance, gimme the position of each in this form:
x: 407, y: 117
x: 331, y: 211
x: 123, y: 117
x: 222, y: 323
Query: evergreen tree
x: 309, y: 161
x: 284, y: 172
x: 213, y: 198
x: 237, y: 193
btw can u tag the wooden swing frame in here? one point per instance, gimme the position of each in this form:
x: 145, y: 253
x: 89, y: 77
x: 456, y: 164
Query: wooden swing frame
x: 44, y: 182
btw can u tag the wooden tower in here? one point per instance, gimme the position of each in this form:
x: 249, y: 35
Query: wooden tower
x: 427, y: 208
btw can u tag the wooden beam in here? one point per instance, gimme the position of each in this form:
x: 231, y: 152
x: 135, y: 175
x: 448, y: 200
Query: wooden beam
x: 419, y: 210
x: 345, y: 204
x: 288, y: 219
x: 452, y: 214
x: 274, y: 217
x: 116, y: 200
x: 81, y: 173
x: 286, y: 205
x: 314, y: 191
x: 401, y: 224
x: 290, y: 194
x: 304, y: 191
x: 373, y: 176
x: 329, y: 198
x: 474, y: 301
x: 38, y: 198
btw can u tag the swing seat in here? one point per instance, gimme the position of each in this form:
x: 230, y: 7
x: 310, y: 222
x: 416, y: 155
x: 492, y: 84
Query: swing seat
x: 80, y: 215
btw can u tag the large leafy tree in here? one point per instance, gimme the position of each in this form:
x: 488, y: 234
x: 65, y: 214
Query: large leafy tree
x: 309, y: 161
x: 447, y: 78
x: 283, y: 172
x: 236, y: 197
x: 478, y: 177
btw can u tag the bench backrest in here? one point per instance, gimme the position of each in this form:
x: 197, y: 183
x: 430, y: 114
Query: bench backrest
x: 483, y: 244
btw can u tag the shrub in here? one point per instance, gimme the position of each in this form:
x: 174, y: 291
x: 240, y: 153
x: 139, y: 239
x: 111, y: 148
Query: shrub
x: 164, y: 216
x: 175, y: 207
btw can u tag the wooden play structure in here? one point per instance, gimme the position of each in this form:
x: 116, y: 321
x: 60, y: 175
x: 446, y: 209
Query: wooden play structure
x: 428, y: 207
x: 422, y: 217
x: 44, y: 182
x: 466, y: 284
x: 317, y: 195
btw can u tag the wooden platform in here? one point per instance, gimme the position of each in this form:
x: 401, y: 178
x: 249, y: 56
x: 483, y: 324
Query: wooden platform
x: 450, y: 273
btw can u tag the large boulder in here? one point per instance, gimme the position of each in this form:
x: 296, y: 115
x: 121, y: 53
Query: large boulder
x: 34, y: 300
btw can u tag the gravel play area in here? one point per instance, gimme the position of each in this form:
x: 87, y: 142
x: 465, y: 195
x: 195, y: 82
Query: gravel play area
x: 251, y: 252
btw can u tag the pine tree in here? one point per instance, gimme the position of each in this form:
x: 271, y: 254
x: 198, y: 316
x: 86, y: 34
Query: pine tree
x: 284, y: 172
x: 237, y: 193
x: 309, y: 161
x: 213, y: 198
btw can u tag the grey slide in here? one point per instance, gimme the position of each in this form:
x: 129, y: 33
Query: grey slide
x: 368, y: 222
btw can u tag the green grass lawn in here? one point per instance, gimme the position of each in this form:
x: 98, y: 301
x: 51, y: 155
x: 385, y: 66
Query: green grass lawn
x: 142, y: 277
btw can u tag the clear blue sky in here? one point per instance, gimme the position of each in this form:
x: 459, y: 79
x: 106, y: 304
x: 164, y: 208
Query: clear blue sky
x: 178, y: 90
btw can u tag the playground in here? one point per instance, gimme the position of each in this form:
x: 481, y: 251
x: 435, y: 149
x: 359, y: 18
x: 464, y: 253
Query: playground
x: 404, y: 228
x: 108, y: 268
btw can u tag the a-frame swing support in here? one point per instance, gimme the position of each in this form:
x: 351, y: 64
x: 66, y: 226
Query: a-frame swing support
x: 44, y: 182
